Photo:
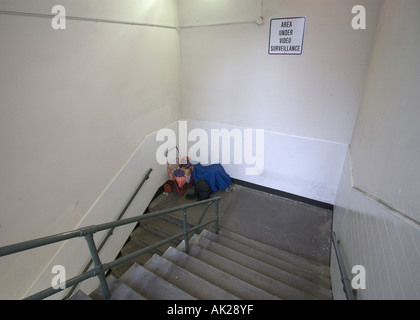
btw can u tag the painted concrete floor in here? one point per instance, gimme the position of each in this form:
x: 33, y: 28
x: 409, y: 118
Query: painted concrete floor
x: 287, y: 224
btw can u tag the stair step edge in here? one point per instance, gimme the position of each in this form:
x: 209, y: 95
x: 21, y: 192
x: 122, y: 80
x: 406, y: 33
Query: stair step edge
x: 280, y: 253
x: 119, y: 291
x: 151, y: 286
x: 80, y: 295
x: 187, y: 281
x: 160, y: 223
x: 238, y: 287
x: 260, y: 280
x: 131, y: 247
x: 264, y: 268
x: 145, y: 238
x: 162, y: 228
x: 253, y: 251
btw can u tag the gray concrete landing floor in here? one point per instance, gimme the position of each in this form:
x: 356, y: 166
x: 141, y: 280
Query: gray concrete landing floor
x: 287, y: 224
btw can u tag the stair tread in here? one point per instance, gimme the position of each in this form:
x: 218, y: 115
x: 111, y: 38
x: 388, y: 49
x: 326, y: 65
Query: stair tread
x: 264, y: 268
x: 193, y: 213
x: 151, y: 286
x: 257, y: 251
x: 219, y: 266
x: 145, y: 238
x: 186, y: 281
x: 266, y: 283
x: 128, y: 248
x: 236, y: 286
x: 192, y: 216
x: 162, y: 227
x: 279, y: 253
x: 119, y: 291
x: 80, y: 295
x: 176, y: 218
x: 131, y: 247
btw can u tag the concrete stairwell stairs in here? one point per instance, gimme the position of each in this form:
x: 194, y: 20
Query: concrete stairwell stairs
x: 219, y: 267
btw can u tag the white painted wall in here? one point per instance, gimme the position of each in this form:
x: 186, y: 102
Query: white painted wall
x: 301, y: 166
x: 75, y: 106
x: 107, y: 208
x: 385, y: 150
x: 192, y: 13
x: 372, y: 235
x: 159, y: 12
x: 227, y: 75
x: 80, y: 107
x: 376, y: 215
x: 306, y: 104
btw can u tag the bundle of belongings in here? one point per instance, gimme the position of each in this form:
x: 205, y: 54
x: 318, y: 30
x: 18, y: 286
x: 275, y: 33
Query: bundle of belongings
x: 209, y: 179
x: 182, y: 174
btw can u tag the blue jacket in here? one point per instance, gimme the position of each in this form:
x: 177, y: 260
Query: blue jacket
x: 214, y: 174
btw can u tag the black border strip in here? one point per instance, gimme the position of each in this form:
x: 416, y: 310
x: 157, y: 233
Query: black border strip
x: 284, y: 194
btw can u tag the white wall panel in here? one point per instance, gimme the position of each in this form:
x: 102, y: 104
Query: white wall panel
x: 306, y: 167
x: 385, y: 150
x: 76, y: 104
x: 372, y: 236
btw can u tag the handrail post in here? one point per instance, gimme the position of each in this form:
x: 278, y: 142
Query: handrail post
x: 111, y: 231
x: 88, y: 232
x: 204, y: 212
x: 98, y: 265
x: 216, y: 224
x: 185, y: 227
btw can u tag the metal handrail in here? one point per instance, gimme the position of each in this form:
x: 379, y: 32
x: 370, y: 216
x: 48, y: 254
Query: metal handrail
x: 350, y: 293
x: 111, y: 231
x: 100, y: 268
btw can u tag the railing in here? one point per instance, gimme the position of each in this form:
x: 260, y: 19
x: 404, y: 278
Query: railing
x: 111, y: 231
x: 99, y: 270
x: 350, y: 293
